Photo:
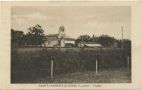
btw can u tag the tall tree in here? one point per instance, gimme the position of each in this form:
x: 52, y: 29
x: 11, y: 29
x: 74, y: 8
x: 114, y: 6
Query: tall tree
x: 35, y: 35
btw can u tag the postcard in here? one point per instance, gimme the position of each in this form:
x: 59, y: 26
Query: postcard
x: 70, y: 45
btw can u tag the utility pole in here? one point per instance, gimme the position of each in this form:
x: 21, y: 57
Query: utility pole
x: 82, y: 43
x: 96, y: 66
x: 51, y: 69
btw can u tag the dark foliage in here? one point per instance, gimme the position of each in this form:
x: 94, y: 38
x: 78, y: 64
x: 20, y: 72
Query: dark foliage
x: 35, y: 36
x: 17, y: 38
x: 105, y: 41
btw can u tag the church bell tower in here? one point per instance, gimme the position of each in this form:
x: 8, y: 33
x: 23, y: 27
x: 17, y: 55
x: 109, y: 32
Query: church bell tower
x: 61, y: 32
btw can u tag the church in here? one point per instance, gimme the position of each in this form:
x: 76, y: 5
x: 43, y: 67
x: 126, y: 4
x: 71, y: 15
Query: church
x: 58, y: 40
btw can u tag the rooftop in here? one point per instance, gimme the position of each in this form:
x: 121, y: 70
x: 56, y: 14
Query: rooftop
x: 69, y: 39
x: 52, y: 35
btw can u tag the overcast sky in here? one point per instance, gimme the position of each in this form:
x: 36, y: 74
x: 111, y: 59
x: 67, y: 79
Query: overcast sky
x: 78, y: 20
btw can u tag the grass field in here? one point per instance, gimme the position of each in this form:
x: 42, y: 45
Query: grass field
x: 120, y: 75
x: 31, y: 65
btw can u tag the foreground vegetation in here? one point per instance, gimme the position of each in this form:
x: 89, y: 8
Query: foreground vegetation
x: 35, y: 63
x: 114, y: 75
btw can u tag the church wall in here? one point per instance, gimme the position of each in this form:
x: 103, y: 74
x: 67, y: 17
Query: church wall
x: 72, y: 42
x: 51, y: 43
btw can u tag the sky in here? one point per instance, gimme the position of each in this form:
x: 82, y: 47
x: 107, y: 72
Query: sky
x: 77, y: 20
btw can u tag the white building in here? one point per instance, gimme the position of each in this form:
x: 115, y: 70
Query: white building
x: 89, y: 44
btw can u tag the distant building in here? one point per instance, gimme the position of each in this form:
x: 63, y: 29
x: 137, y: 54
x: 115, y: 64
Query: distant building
x: 89, y: 44
x: 58, y: 40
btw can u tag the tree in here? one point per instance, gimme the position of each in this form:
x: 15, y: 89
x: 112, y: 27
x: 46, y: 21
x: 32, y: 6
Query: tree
x: 35, y: 35
x: 126, y: 43
x: 17, y: 38
x: 85, y: 38
x: 82, y: 38
x: 106, y: 40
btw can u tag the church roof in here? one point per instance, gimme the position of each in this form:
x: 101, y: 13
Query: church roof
x: 52, y: 35
x: 55, y: 37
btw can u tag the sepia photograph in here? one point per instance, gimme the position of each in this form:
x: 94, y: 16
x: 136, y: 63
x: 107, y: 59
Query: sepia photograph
x: 70, y: 44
